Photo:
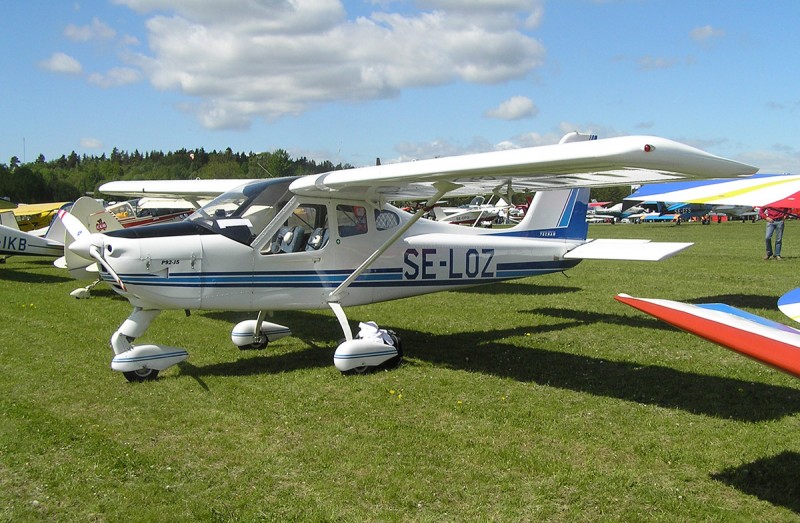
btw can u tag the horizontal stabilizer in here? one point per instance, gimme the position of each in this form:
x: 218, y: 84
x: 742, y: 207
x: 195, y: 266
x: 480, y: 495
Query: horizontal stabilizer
x: 769, y: 342
x: 631, y: 250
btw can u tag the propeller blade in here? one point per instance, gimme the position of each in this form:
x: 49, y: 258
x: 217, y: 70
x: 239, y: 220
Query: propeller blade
x: 73, y: 225
x: 96, y: 253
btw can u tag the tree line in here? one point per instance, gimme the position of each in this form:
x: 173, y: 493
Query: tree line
x: 72, y: 176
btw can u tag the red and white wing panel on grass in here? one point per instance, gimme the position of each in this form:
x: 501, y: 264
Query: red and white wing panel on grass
x: 769, y: 342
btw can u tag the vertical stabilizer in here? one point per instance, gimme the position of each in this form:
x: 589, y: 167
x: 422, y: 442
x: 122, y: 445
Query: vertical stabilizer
x: 556, y: 214
x: 7, y: 218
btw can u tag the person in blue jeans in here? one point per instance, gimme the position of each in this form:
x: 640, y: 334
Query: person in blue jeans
x: 775, y: 219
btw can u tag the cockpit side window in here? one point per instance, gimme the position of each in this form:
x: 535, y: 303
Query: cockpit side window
x: 306, y: 229
x: 351, y: 219
x: 385, y: 220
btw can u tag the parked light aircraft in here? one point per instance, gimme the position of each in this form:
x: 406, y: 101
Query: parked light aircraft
x: 769, y: 342
x: 332, y: 240
x: 15, y: 242
x: 33, y: 216
x: 147, y: 211
x: 476, y: 212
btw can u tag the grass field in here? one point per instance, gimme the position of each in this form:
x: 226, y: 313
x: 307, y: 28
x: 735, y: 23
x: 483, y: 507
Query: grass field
x: 540, y: 399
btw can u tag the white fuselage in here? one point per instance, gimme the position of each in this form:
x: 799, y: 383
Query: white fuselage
x: 212, y: 271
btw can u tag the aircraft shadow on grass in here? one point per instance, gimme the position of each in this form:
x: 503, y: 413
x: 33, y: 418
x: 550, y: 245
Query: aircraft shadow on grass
x: 775, y: 479
x: 485, y: 352
x: 518, y: 288
x: 23, y: 275
x: 741, y: 300
x: 305, y: 326
x: 578, y: 317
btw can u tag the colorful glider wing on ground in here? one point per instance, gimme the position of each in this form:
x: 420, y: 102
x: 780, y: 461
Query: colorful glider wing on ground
x: 769, y: 342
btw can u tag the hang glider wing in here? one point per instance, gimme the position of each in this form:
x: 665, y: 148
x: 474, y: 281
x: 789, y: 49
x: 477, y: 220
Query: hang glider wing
x: 769, y: 342
x: 776, y: 190
x: 595, y: 163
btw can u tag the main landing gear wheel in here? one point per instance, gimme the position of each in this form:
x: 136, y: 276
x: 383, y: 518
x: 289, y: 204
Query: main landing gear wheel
x: 138, y: 376
x: 260, y: 345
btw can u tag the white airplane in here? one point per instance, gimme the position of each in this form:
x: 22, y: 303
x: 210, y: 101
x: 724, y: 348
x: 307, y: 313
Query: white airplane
x: 477, y: 212
x: 332, y: 240
x: 14, y: 242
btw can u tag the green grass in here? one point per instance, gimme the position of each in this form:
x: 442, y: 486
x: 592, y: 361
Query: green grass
x: 534, y: 400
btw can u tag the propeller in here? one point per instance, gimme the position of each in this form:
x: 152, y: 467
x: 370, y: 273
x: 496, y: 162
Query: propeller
x: 87, y: 245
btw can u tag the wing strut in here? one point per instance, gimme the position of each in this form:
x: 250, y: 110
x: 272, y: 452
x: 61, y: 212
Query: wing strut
x: 442, y: 188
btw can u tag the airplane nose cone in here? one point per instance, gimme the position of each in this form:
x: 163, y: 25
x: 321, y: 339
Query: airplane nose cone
x: 82, y: 245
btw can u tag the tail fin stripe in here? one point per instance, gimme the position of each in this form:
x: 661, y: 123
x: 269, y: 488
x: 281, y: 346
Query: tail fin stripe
x: 566, y: 214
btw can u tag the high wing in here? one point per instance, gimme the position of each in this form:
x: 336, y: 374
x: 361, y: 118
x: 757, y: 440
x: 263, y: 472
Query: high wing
x: 36, y: 215
x: 754, y: 191
x: 190, y: 190
x: 596, y: 163
x: 592, y: 163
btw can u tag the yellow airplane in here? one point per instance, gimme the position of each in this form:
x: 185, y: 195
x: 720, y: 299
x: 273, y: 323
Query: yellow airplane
x: 36, y: 215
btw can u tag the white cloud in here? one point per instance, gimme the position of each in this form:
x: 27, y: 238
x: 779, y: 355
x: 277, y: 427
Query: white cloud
x: 779, y: 159
x: 96, y: 30
x: 275, y: 58
x: 115, y: 77
x: 649, y: 63
x: 62, y: 63
x: 706, y: 32
x: 515, y: 108
x: 91, y: 143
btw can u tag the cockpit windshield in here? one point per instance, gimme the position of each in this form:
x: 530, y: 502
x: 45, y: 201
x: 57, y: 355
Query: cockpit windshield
x: 241, y: 214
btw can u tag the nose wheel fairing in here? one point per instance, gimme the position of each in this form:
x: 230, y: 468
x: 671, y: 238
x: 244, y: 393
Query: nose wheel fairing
x: 136, y: 360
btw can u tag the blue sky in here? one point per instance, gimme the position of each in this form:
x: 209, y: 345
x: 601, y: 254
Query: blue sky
x: 397, y: 79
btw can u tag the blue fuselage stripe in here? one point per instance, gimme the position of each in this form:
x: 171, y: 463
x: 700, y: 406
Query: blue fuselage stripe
x: 330, y: 279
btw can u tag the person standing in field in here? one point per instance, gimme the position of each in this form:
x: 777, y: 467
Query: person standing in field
x: 775, y: 219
